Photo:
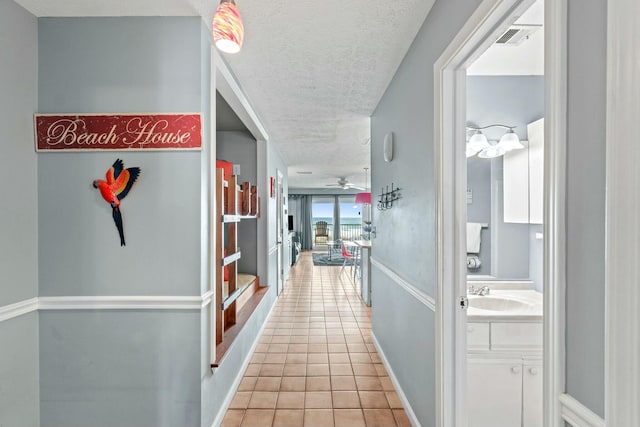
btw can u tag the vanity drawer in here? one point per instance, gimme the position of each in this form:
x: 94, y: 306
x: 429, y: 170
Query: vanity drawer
x: 516, y: 336
x: 477, y: 336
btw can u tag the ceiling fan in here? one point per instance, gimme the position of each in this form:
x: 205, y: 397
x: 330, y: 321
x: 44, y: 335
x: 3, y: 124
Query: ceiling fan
x: 345, y: 184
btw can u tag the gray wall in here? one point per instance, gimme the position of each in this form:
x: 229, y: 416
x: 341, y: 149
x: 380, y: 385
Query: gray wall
x: 406, y: 232
x: 586, y: 126
x: 479, y: 182
x: 98, y: 361
x: 240, y: 148
x: 516, y: 101
x: 19, y: 369
x: 106, y: 368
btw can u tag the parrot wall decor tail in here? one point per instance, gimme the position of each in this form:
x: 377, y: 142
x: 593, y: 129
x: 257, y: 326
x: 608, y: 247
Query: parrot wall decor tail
x: 116, y: 187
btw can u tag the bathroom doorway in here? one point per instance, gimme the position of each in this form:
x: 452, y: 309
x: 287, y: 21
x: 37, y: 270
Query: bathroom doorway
x: 501, y: 319
x: 503, y: 149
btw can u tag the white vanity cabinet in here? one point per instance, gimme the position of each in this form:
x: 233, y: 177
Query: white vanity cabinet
x: 494, y: 396
x: 504, y: 374
x: 532, y: 393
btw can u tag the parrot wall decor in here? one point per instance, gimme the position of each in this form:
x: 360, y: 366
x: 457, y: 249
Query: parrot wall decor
x: 116, y: 187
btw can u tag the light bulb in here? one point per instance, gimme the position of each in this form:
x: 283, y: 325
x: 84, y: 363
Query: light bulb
x: 491, y: 151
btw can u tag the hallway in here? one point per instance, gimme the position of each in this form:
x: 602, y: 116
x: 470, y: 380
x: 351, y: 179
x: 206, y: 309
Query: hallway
x: 315, y: 364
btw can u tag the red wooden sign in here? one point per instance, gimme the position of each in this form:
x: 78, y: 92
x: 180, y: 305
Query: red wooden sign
x: 88, y: 132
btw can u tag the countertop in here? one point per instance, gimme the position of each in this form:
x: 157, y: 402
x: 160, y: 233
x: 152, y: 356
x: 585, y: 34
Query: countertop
x: 363, y: 243
x: 530, y: 310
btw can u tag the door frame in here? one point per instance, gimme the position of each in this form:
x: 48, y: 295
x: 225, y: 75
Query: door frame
x: 279, y: 231
x: 488, y: 21
x: 622, y: 330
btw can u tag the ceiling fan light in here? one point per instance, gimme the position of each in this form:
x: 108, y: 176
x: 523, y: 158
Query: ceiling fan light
x: 228, y: 30
x: 478, y: 141
x: 510, y: 141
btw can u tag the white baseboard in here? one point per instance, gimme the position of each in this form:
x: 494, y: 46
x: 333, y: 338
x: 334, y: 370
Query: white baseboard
x: 236, y: 383
x: 578, y: 415
x: 403, y: 398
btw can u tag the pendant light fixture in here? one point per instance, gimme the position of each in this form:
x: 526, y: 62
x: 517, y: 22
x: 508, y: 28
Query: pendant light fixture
x: 364, y: 199
x: 228, y: 30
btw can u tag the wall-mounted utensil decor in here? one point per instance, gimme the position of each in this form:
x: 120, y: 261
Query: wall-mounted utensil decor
x: 386, y: 197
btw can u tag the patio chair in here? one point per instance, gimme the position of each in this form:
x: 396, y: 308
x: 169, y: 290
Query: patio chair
x: 350, y: 259
x: 322, y: 234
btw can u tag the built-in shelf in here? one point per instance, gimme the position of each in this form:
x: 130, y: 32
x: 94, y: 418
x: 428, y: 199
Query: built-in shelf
x: 236, y: 297
x: 230, y: 259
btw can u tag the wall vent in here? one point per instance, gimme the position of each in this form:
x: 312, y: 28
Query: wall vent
x: 516, y: 34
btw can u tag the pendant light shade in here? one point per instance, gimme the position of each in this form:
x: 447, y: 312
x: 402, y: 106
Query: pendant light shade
x: 510, y: 141
x: 228, y: 31
x: 362, y: 198
x: 478, y: 141
x: 491, y: 151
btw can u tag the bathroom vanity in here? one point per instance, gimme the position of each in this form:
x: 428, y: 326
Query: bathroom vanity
x: 504, y: 358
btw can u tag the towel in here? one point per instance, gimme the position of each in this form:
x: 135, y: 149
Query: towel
x: 473, y: 237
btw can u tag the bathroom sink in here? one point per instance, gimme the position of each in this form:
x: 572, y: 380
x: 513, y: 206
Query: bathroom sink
x: 497, y: 304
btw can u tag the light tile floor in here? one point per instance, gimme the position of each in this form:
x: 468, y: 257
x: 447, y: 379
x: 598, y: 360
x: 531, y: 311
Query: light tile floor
x: 315, y: 364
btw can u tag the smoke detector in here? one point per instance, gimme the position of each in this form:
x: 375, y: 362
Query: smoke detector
x: 517, y: 34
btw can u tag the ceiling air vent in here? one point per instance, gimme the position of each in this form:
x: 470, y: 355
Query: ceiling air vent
x: 516, y: 34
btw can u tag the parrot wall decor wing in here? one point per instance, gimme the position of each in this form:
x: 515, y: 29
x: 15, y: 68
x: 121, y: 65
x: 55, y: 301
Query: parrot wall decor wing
x: 116, y: 187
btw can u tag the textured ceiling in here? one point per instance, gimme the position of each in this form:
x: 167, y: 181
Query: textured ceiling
x: 314, y: 70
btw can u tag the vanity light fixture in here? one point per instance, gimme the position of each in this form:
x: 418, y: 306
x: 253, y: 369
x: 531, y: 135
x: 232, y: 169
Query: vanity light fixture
x: 478, y: 143
x: 228, y: 30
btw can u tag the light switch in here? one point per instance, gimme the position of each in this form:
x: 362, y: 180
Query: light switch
x: 236, y: 170
x: 469, y: 196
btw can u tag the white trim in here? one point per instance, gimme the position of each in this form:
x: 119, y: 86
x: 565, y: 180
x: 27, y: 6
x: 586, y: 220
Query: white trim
x: 396, y: 384
x: 18, y: 309
x: 622, y: 329
x: 124, y: 302
x: 245, y: 363
x: 231, y: 91
x: 206, y: 298
x: 208, y: 212
x: 554, y: 227
x: 489, y: 19
x: 424, y: 298
x: 106, y: 303
x: 576, y: 414
x: 273, y: 249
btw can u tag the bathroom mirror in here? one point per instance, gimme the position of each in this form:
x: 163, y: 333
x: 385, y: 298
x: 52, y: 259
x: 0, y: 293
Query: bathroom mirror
x: 503, y: 192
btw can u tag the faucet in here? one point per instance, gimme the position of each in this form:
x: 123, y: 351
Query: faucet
x: 479, y: 291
